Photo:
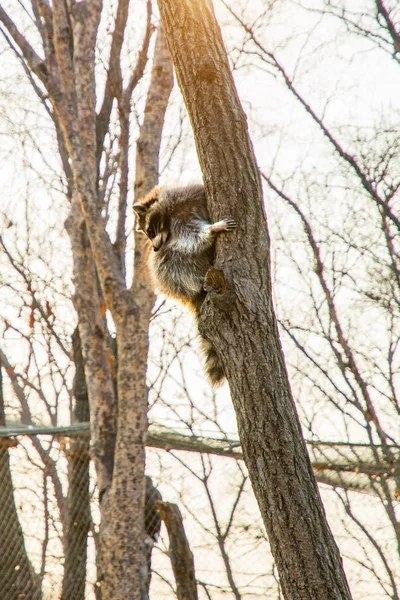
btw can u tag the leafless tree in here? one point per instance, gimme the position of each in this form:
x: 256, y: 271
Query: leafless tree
x: 239, y: 319
x: 60, y: 66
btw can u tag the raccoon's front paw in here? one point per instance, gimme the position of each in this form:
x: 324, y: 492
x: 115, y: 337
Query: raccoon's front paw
x: 224, y: 225
x: 230, y: 224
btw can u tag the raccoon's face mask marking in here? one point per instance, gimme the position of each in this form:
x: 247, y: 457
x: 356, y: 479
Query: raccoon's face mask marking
x: 156, y: 231
x: 152, y: 225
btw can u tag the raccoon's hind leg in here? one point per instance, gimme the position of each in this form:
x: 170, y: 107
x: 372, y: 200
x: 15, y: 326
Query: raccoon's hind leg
x: 213, y: 365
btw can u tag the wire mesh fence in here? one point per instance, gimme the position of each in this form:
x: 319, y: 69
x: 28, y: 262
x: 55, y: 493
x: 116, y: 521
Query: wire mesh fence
x: 16, y: 572
x: 49, y: 519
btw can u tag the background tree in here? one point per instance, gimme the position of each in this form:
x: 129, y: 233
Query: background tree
x: 62, y: 74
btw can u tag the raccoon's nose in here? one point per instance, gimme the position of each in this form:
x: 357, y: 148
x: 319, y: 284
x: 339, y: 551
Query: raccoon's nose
x: 157, y: 242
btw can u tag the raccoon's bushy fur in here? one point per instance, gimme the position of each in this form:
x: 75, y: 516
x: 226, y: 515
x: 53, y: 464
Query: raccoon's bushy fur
x: 176, y: 221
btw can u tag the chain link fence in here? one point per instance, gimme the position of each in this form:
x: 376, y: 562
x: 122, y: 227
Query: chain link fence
x: 49, y: 516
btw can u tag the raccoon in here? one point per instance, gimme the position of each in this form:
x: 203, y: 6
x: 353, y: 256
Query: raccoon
x: 177, y: 223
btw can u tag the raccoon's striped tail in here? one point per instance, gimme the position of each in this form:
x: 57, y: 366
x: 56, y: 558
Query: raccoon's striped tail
x: 213, y: 367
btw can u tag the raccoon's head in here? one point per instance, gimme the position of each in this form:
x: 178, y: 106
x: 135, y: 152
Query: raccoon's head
x: 152, y: 220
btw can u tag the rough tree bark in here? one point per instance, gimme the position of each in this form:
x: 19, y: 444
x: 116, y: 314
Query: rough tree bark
x: 238, y: 316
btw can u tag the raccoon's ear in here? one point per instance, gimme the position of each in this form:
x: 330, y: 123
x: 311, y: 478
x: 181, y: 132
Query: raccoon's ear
x: 140, y: 209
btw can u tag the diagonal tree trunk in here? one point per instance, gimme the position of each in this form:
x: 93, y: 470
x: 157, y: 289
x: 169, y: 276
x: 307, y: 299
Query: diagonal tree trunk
x: 238, y: 316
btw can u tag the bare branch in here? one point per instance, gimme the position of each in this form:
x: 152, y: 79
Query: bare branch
x: 179, y: 552
x: 34, y: 61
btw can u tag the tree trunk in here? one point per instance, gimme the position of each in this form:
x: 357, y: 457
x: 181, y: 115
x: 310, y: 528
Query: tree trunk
x: 238, y: 316
x: 17, y: 577
x: 120, y: 463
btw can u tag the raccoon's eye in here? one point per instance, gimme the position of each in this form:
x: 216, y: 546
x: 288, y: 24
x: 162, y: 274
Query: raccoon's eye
x: 153, y: 227
x: 151, y: 232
